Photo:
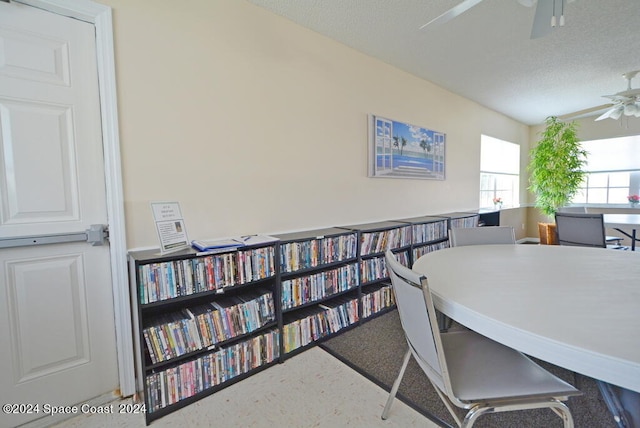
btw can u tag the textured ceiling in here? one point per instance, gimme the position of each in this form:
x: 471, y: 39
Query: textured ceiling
x: 486, y: 54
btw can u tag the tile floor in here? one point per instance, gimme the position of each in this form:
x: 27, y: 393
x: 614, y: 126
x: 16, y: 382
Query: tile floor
x: 312, y: 389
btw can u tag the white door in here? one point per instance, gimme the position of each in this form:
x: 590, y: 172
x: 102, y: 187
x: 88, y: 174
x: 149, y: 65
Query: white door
x: 57, y: 336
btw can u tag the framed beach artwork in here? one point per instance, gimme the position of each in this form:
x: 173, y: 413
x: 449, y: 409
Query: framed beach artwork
x: 402, y: 150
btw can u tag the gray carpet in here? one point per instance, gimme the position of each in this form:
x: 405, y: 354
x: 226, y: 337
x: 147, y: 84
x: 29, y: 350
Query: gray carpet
x: 375, y: 349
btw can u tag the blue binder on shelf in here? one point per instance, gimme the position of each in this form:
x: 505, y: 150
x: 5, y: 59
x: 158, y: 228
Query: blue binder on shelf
x: 217, y: 245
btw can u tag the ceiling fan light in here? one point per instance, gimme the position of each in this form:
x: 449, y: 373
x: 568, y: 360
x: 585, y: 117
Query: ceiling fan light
x: 616, y: 112
x: 630, y: 109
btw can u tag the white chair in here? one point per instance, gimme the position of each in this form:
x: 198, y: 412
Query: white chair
x: 459, y: 236
x: 466, y: 369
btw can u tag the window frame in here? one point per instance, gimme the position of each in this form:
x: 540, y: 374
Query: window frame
x: 510, y: 195
x: 633, y: 187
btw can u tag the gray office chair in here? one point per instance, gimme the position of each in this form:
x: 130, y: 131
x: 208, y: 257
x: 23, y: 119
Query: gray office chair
x: 573, y: 209
x: 466, y: 369
x: 613, y: 240
x: 481, y: 235
x: 580, y: 229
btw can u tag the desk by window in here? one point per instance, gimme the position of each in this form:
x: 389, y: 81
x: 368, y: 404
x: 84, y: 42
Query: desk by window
x: 574, y: 307
x: 622, y: 223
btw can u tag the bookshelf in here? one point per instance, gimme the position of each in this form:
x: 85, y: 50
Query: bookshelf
x: 319, y: 280
x: 195, y: 315
x: 205, y: 320
x: 462, y: 219
x: 373, y: 240
x: 429, y: 233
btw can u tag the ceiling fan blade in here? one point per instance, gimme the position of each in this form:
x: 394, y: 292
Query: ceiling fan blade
x: 585, y: 112
x: 542, y: 20
x: 452, y: 13
x: 613, y: 113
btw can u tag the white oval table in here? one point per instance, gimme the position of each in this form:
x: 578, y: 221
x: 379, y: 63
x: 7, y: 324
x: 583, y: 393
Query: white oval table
x: 575, y: 307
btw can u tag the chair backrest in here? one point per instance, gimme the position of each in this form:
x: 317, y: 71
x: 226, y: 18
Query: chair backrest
x: 583, y: 230
x: 481, y: 235
x: 419, y: 322
x: 573, y: 209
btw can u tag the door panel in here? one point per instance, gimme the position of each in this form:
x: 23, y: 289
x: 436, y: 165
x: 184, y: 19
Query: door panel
x: 31, y: 285
x: 24, y: 174
x: 56, y: 302
x: 61, y: 344
x: 35, y: 57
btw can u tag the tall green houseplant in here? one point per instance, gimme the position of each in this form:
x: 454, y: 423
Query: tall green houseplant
x: 556, y: 166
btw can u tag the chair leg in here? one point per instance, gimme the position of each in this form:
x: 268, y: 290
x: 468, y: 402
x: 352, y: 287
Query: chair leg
x: 396, y: 384
x: 616, y: 406
x: 473, y: 414
x: 444, y: 322
x: 563, y: 411
x: 557, y: 406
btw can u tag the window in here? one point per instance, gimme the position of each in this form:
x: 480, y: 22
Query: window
x: 499, y: 171
x: 613, y: 171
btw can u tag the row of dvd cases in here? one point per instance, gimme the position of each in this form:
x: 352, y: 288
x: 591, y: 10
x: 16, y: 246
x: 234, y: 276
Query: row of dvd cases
x: 206, y: 321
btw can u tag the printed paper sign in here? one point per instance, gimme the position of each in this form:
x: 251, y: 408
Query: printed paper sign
x: 170, y: 226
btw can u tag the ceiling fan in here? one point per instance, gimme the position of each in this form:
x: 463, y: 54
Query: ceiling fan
x: 549, y: 14
x: 625, y: 102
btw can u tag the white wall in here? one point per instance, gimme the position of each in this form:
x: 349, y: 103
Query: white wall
x: 256, y: 125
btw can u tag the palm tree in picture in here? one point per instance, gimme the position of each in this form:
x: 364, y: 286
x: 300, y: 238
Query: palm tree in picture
x: 423, y: 145
x: 399, y: 143
x: 426, y: 146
